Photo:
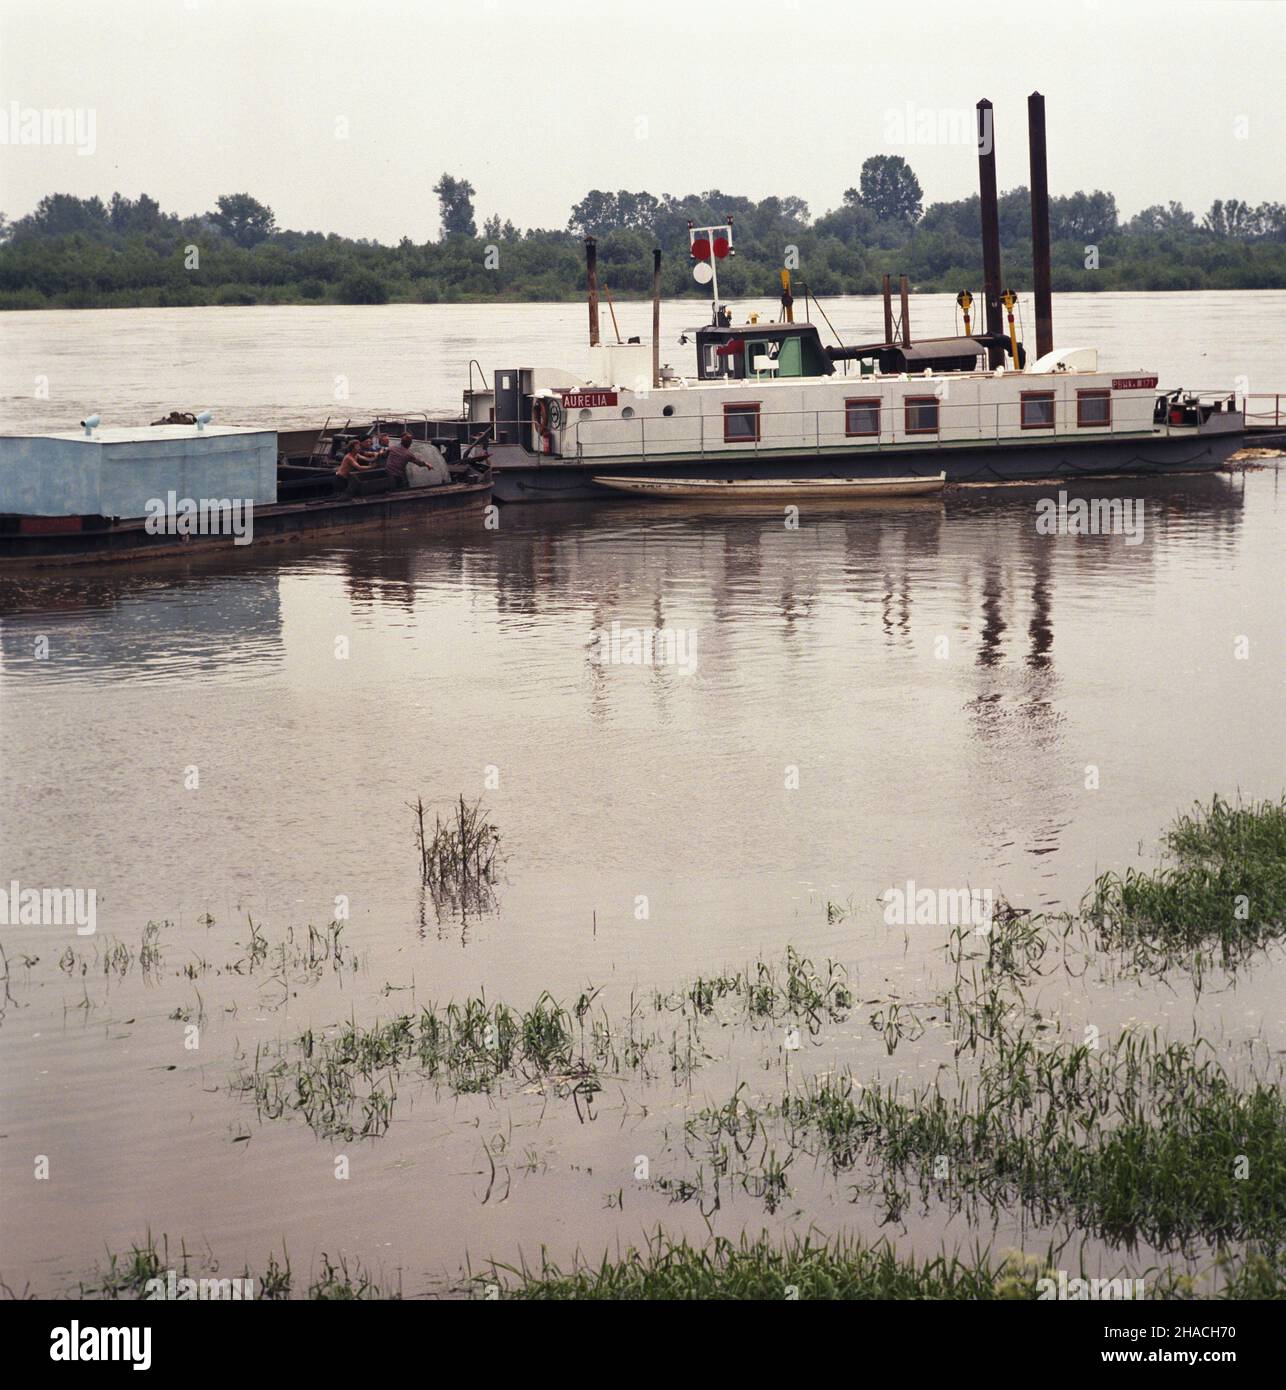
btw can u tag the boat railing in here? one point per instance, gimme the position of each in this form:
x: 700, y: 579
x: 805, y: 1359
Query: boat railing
x: 1265, y: 409
x: 954, y: 423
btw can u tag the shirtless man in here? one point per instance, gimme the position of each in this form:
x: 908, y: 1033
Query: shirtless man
x: 351, y: 465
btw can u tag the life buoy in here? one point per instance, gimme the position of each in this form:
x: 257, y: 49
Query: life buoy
x: 540, y: 416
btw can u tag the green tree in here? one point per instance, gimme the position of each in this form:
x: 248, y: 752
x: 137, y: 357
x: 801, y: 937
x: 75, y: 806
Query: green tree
x: 889, y: 188
x: 62, y: 214
x: 363, y: 287
x: 1174, y: 218
x: 245, y: 219
x: 455, y: 196
x: 1087, y: 216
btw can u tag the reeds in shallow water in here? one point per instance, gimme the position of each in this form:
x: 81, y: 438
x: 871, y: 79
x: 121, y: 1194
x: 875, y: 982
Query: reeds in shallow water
x: 458, y: 860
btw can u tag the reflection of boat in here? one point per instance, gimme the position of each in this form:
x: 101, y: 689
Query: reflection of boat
x: 775, y: 489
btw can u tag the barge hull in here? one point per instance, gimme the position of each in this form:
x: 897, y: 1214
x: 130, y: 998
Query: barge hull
x: 274, y: 522
x: 523, y: 477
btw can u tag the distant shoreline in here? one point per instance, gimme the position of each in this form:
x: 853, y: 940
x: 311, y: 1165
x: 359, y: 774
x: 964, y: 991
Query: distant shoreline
x: 578, y: 297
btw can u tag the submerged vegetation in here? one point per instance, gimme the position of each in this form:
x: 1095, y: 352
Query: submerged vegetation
x: 143, y: 1272
x: 810, y: 1267
x: 1141, y: 1140
x: 1109, y: 1136
x: 1224, y: 885
x: 760, y: 1267
x: 458, y: 860
x: 345, y: 1083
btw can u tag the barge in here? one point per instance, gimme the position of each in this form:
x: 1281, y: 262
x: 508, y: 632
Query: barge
x: 770, y: 401
x: 766, y: 404
x: 131, y: 493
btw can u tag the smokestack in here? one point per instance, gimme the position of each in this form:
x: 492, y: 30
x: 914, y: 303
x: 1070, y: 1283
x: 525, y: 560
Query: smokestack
x: 904, y: 287
x: 591, y: 273
x: 656, y: 317
x: 1040, y: 224
x: 888, y: 310
x: 990, y: 227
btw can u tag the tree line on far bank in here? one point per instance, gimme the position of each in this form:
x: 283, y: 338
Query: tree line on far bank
x: 83, y: 253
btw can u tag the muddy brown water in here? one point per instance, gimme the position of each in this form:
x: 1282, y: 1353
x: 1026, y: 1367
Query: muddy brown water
x: 893, y: 693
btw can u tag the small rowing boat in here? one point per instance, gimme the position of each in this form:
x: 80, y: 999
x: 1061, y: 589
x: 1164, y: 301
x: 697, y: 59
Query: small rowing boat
x: 775, y: 489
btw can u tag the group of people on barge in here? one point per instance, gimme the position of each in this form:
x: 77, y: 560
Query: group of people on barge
x: 375, y: 457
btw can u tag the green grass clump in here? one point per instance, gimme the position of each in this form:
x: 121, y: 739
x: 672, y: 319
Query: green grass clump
x: 766, y: 993
x: 345, y: 1085
x: 807, y: 1267
x: 761, y: 1268
x: 1224, y: 885
x: 127, y: 1276
x: 1139, y: 1140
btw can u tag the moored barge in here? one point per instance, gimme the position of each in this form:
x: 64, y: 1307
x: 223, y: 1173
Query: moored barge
x: 771, y: 401
x: 173, y: 489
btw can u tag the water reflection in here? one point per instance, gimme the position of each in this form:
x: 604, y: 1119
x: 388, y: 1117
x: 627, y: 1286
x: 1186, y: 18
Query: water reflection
x: 938, y: 678
x: 598, y: 561
x: 144, y: 626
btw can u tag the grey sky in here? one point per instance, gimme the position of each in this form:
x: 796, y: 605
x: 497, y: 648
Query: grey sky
x: 537, y: 103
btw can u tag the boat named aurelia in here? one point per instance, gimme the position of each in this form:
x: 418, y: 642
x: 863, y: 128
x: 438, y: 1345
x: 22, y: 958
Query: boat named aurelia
x: 772, y: 401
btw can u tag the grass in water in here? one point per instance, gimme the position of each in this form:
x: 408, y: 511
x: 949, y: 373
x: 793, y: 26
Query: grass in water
x: 1137, y: 1139
x: 1223, y: 884
x: 143, y: 1272
x: 458, y: 860
x: 344, y: 1084
x: 759, y: 1267
x: 764, y: 1268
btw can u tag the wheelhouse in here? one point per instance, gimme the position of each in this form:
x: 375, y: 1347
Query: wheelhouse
x: 769, y: 351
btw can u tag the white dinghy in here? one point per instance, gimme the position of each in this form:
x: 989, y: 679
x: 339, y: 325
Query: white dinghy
x: 775, y: 489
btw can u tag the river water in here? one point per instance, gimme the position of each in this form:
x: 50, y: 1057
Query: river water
x: 929, y: 692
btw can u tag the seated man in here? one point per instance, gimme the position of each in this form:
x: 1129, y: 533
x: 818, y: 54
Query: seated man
x: 397, y: 459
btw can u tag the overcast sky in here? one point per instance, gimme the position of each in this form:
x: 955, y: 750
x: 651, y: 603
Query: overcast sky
x: 342, y: 115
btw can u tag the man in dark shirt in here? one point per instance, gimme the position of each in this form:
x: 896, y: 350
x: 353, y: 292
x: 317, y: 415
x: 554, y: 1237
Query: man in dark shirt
x: 397, y: 458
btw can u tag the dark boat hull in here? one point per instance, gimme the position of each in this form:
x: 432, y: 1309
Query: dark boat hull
x: 42, y: 541
x: 523, y: 477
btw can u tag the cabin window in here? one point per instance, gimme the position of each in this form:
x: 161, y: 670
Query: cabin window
x: 862, y: 416
x: 741, y: 423
x: 1038, y: 410
x: 790, y: 360
x: 922, y: 415
x: 1093, y: 408
x: 761, y: 358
